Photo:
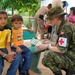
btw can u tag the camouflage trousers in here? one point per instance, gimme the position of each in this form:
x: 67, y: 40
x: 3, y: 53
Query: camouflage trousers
x: 56, y: 61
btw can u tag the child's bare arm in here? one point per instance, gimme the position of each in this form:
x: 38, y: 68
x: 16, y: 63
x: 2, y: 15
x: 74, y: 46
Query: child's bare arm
x: 18, y: 49
x: 1, y: 53
x: 8, y: 47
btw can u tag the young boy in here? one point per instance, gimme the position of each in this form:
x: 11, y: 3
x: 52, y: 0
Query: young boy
x: 18, y: 43
x: 5, y: 48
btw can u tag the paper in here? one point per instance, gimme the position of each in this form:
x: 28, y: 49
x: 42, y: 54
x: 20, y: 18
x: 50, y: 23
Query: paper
x: 35, y: 42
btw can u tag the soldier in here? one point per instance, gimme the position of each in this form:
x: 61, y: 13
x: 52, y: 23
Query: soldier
x: 62, y: 55
x: 38, y: 19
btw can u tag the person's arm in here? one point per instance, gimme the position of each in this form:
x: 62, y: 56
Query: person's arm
x: 46, y: 46
x: 1, y: 53
x: 46, y: 41
x: 8, y: 57
x: 8, y: 39
x: 8, y: 47
x: 63, y: 41
x: 64, y: 8
x: 18, y: 49
x: 55, y: 49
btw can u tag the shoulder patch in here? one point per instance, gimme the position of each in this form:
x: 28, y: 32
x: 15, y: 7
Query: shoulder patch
x: 61, y: 33
x: 62, y: 41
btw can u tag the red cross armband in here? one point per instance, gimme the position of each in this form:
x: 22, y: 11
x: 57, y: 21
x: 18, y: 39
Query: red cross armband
x: 62, y: 41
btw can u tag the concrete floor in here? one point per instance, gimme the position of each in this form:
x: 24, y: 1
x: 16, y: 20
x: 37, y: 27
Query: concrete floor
x: 44, y: 70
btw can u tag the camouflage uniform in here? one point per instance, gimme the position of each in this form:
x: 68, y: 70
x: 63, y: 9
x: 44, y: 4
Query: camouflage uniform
x: 55, y: 60
x: 53, y: 35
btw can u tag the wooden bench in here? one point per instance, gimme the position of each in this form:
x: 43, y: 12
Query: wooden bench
x: 27, y: 35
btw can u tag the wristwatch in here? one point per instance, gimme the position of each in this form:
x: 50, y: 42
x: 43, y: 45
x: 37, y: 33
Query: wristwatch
x: 48, y: 46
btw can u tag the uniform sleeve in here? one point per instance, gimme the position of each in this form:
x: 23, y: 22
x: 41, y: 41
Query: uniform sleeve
x: 64, y: 38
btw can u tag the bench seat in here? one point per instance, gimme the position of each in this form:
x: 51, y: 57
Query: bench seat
x: 27, y: 35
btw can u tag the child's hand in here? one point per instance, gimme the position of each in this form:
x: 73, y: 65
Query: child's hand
x: 12, y: 54
x: 19, y: 50
x: 10, y: 57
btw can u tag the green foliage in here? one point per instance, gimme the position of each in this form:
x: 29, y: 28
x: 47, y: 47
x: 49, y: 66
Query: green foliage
x: 9, y: 22
x: 28, y: 22
x: 27, y: 5
x: 24, y: 7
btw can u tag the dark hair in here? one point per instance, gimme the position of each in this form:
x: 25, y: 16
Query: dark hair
x: 49, y: 6
x: 64, y: 3
x: 16, y: 17
x: 73, y: 9
x: 3, y: 12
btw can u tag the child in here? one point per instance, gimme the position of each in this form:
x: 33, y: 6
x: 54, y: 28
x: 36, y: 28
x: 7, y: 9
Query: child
x: 71, y: 17
x: 5, y: 48
x: 18, y: 43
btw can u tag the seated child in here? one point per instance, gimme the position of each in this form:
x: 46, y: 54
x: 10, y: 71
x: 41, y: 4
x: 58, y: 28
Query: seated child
x: 18, y: 44
x: 5, y: 48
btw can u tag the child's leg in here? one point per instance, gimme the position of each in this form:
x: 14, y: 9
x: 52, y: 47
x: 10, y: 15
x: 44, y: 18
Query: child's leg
x: 2, y: 61
x: 14, y: 65
x: 27, y: 55
x: 1, y: 64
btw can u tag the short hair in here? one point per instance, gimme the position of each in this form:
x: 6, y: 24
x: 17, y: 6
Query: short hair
x: 3, y: 12
x: 50, y: 5
x: 16, y: 17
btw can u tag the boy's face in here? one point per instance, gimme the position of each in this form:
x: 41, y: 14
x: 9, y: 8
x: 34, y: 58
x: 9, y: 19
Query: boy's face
x: 3, y: 20
x: 17, y: 24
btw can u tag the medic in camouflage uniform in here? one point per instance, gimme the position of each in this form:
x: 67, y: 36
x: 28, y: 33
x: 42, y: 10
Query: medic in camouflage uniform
x: 62, y: 55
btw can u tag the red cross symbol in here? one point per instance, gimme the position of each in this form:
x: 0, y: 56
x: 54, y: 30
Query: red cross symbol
x: 61, y: 41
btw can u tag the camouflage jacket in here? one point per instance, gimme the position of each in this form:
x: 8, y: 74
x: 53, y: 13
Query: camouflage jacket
x: 66, y: 38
